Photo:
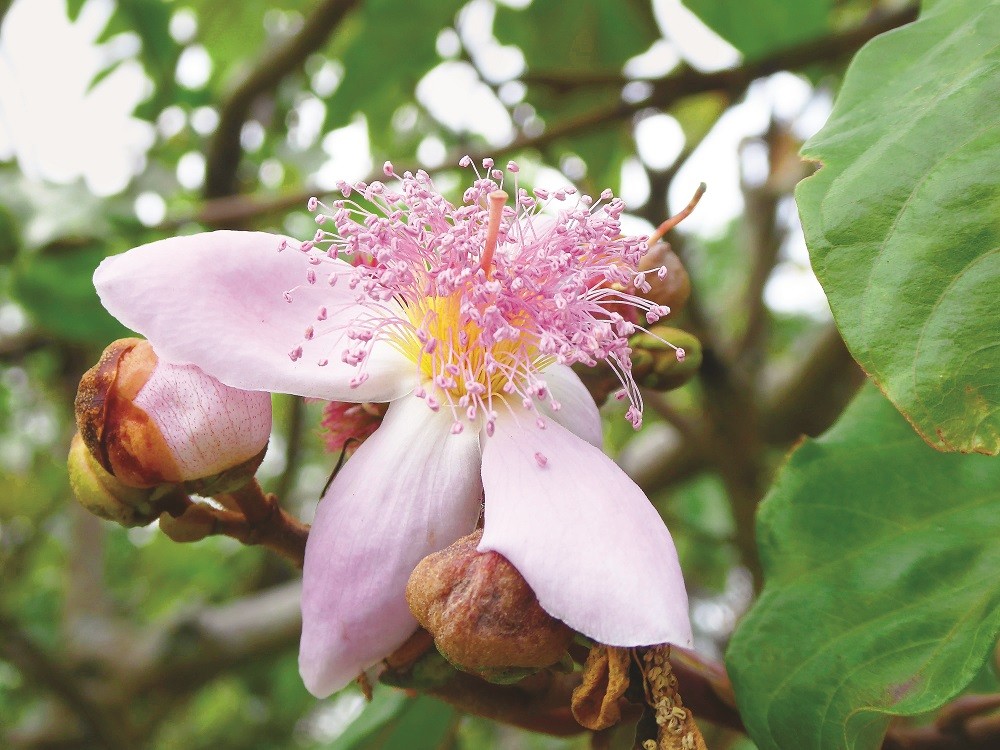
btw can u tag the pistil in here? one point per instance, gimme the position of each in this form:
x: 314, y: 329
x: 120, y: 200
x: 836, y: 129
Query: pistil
x: 497, y: 199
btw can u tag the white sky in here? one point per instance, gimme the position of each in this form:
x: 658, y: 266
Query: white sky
x: 61, y: 130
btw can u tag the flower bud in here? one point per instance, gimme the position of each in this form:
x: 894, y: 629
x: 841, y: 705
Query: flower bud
x: 102, y: 494
x: 149, y: 422
x: 484, y: 617
x: 674, y: 288
x: 347, y: 426
x: 659, y: 366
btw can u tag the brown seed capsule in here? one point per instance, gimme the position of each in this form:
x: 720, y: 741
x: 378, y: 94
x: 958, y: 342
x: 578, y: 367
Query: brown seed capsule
x: 483, y: 615
x: 149, y: 422
x: 672, y: 289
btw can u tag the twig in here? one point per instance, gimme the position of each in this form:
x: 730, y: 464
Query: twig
x: 224, y: 151
x: 812, y: 398
x: 86, y: 595
x: 668, y: 90
x: 238, y: 210
x: 689, y: 428
x: 263, y: 522
x: 194, y: 649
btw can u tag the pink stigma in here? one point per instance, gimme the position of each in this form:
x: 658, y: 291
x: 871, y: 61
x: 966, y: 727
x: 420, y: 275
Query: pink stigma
x: 497, y: 200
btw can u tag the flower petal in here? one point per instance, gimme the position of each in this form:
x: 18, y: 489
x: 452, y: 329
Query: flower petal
x: 583, y: 535
x: 216, y: 300
x: 578, y: 412
x: 208, y: 427
x: 411, y: 489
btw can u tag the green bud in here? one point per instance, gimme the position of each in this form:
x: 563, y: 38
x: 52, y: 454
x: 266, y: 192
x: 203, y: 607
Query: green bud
x: 103, y: 495
x: 658, y: 365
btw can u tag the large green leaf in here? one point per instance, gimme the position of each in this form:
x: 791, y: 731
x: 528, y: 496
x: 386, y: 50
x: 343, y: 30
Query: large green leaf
x: 756, y: 27
x: 881, y: 559
x: 902, y: 220
x: 596, y: 35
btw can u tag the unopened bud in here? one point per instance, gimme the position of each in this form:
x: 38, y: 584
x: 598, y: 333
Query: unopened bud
x: 347, y: 426
x: 102, y: 494
x: 665, y: 358
x: 484, y: 617
x: 670, y: 287
x: 149, y: 422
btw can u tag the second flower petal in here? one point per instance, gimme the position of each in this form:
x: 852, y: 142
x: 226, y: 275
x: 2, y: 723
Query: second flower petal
x: 583, y: 535
x: 411, y: 489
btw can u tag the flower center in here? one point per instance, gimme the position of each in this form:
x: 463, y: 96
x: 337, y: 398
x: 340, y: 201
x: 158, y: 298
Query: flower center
x: 470, y: 357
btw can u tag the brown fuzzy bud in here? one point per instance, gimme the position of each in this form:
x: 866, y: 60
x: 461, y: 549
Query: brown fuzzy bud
x: 103, y: 495
x: 674, y: 289
x: 484, y: 617
x: 659, y: 366
x: 149, y: 422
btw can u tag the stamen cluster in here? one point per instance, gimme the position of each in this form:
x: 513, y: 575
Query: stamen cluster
x: 480, y: 317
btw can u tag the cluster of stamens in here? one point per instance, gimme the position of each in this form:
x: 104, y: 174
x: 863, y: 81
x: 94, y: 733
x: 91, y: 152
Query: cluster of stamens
x: 482, y: 297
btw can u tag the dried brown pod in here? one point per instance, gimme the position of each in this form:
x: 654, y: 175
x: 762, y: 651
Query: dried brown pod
x: 484, y: 617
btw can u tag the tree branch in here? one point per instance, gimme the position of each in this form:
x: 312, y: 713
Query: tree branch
x: 812, y: 398
x: 225, y: 209
x: 688, y: 82
x: 224, y: 151
x: 203, y: 644
x: 38, y: 666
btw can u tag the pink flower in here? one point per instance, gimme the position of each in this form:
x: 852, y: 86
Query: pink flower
x: 466, y: 319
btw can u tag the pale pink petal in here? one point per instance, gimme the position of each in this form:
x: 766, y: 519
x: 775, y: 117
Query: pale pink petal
x: 209, y: 427
x: 411, y: 489
x: 216, y: 300
x: 583, y: 535
x: 577, y: 411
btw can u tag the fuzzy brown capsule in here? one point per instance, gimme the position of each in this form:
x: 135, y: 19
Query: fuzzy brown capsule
x: 674, y: 287
x: 482, y: 614
x: 148, y: 422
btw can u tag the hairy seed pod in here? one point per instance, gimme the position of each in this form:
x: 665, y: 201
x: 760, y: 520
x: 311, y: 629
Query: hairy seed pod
x: 484, y: 617
x: 674, y: 288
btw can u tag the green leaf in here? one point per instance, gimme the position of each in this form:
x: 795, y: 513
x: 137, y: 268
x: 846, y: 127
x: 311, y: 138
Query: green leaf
x: 757, y: 27
x: 55, y: 287
x: 393, y: 722
x: 375, y: 83
x: 597, y: 35
x: 901, y: 221
x: 73, y: 8
x: 150, y: 21
x: 880, y: 557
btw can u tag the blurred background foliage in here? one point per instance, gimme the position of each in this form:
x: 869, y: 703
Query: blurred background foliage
x: 235, y: 113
